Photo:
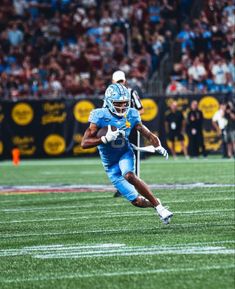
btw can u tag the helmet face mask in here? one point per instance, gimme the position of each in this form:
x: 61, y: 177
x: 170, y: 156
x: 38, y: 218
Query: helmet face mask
x: 121, y: 107
x: 117, y: 99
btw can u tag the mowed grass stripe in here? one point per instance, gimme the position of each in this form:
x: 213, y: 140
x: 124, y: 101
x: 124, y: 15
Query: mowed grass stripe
x: 109, y: 197
x: 97, y: 215
x: 87, y: 247
x: 90, y: 195
x: 97, y: 162
x: 194, y: 226
x: 153, y: 170
x: 111, y: 202
x: 98, y: 197
x: 117, y: 274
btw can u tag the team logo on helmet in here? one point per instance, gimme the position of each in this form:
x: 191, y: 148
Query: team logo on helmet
x: 117, y: 99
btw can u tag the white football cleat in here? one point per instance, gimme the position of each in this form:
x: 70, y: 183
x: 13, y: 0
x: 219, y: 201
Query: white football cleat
x: 164, y: 214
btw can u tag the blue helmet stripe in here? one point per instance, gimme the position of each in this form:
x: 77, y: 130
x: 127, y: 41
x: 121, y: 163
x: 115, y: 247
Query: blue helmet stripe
x: 118, y: 86
x: 121, y: 89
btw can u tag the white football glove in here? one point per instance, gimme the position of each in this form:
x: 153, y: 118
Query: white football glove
x: 122, y: 133
x: 162, y: 151
x: 110, y: 135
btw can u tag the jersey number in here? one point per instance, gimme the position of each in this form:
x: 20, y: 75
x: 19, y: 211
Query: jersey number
x: 118, y: 143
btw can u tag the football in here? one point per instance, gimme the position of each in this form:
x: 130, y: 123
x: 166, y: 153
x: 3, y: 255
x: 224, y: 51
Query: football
x: 102, y: 131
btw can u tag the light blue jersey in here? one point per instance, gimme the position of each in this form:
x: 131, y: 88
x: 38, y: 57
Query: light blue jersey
x: 110, y: 153
x: 117, y: 156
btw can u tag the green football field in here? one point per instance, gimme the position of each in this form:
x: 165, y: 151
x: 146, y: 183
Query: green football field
x: 60, y: 227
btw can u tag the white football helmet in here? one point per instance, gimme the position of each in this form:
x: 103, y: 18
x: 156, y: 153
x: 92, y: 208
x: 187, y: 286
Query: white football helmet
x: 117, y: 99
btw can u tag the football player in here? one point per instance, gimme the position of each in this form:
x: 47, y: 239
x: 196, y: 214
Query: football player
x: 120, y: 77
x: 116, y: 151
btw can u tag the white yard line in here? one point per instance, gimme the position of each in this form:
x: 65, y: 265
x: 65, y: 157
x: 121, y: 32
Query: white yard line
x: 134, y: 252
x: 110, y: 250
x: 88, y: 246
x: 115, y: 274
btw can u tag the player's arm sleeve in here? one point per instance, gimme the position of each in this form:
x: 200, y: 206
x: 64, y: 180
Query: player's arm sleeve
x: 90, y: 139
x: 135, y: 117
x: 95, y: 117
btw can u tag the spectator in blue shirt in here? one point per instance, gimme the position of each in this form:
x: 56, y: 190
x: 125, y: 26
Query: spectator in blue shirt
x: 15, y: 35
x: 185, y: 37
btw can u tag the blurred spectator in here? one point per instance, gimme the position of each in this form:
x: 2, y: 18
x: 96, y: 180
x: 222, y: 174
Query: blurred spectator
x: 20, y: 7
x: 194, y: 131
x: 55, y: 86
x: 15, y: 35
x: 175, y: 128
x: 220, y: 73
x: 157, y: 48
x: 185, y: 37
x: 230, y: 129
x: 175, y: 87
x: 197, y: 71
x: 209, y: 37
x: 154, y: 11
x: 229, y: 9
x: 220, y: 122
x: 89, y: 35
x: 231, y: 68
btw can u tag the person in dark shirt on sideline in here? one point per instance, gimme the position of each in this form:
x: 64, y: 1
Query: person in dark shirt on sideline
x: 230, y: 129
x: 175, y: 126
x: 194, y: 131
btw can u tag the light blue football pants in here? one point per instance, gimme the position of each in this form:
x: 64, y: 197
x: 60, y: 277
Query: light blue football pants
x: 117, y: 172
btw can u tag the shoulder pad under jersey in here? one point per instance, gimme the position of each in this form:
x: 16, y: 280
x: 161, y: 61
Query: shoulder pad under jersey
x: 98, y: 114
x: 133, y: 112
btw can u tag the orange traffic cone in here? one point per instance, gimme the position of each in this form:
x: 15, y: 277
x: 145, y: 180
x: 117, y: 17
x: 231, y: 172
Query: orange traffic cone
x: 15, y: 156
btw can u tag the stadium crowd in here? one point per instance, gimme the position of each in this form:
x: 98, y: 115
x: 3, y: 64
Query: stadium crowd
x: 207, y: 51
x: 54, y: 48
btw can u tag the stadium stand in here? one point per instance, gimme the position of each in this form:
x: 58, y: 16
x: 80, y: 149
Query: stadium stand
x: 67, y: 48
x: 206, y: 62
